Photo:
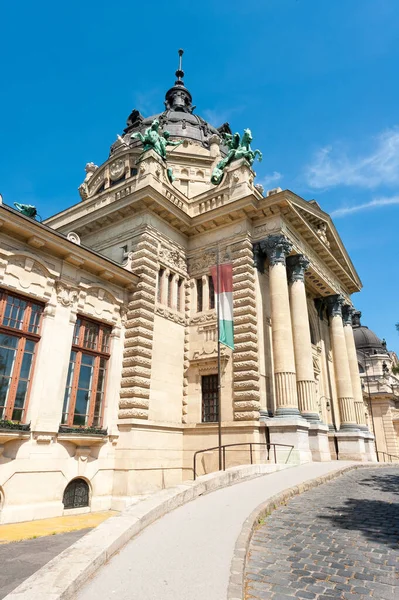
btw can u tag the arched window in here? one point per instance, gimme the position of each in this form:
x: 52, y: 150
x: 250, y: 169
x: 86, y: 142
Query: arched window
x: 76, y: 494
x: 361, y: 369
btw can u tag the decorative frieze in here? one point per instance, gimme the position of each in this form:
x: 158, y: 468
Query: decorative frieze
x: 173, y: 258
x: 136, y: 372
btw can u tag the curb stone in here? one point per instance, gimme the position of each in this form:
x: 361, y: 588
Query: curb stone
x: 235, y: 589
x: 63, y: 576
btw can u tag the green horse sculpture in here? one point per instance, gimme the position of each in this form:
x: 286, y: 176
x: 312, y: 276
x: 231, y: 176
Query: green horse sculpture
x: 153, y: 140
x: 238, y: 148
x: 26, y: 209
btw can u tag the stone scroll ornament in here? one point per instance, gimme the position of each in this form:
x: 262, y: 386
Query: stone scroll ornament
x: 153, y: 140
x: 238, y: 148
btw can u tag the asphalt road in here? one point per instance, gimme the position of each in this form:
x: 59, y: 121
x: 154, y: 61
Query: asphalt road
x: 19, y: 560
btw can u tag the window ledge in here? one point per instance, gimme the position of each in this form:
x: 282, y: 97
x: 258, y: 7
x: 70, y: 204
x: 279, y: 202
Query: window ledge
x: 81, y: 436
x: 9, y: 435
x: 13, y: 431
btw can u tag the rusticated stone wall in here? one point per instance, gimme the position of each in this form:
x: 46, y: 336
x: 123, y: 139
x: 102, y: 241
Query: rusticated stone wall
x: 187, y: 296
x: 246, y: 388
x: 137, y: 358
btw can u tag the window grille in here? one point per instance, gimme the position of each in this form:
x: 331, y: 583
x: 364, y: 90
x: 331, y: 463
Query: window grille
x: 210, y: 408
x: 76, y: 494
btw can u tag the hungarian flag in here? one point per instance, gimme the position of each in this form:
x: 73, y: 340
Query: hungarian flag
x: 224, y: 299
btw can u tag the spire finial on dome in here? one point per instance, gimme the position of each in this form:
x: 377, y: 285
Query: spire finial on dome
x: 178, y: 98
x: 180, y: 73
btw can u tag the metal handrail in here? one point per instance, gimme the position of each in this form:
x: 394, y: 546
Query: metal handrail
x: 250, y: 444
x: 390, y: 456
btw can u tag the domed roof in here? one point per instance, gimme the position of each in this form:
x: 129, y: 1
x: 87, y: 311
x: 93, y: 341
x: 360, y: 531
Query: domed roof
x: 365, y: 339
x: 177, y: 118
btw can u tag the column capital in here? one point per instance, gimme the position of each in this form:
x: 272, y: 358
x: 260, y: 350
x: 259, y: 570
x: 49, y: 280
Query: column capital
x: 296, y: 267
x: 276, y: 248
x: 356, y: 316
x: 347, y: 313
x: 334, y: 305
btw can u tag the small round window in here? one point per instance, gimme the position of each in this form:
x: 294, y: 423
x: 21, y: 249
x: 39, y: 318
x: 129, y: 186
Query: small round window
x: 76, y: 494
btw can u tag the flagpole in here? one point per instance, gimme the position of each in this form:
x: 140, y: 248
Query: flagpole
x: 219, y: 374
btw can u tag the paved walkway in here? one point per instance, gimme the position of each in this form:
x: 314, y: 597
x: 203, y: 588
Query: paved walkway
x: 21, y: 559
x: 15, y: 532
x: 340, y: 540
x: 187, y: 553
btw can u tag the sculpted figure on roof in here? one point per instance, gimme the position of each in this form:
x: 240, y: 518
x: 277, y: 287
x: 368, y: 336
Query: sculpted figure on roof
x: 153, y: 140
x: 238, y: 148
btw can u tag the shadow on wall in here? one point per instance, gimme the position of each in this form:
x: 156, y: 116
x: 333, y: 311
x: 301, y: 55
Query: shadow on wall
x: 377, y: 520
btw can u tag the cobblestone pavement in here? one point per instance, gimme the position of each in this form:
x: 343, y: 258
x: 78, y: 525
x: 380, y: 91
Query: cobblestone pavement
x: 339, y: 540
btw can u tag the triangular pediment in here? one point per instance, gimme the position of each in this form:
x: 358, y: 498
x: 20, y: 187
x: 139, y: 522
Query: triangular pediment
x: 318, y: 229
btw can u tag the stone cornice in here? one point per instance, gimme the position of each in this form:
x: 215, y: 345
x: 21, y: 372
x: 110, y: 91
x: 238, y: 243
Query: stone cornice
x: 55, y: 243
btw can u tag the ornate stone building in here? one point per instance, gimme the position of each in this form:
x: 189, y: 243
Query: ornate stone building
x: 380, y: 389
x: 108, y: 326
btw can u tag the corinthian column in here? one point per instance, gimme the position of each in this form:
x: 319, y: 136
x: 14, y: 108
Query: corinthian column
x: 360, y: 415
x: 341, y: 364
x: 296, y: 266
x: 277, y: 247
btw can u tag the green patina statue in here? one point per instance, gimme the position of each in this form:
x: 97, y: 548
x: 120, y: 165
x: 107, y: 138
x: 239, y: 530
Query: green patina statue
x: 153, y: 140
x: 238, y: 148
x: 26, y: 209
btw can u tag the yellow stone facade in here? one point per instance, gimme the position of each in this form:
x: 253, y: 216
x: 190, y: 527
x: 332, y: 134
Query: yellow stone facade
x: 135, y: 255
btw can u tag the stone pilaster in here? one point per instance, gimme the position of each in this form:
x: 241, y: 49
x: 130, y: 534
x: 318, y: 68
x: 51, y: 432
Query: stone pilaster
x: 246, y: 394
x: 296, y: 267
x: 277, y: 247
x: 341, y: 364
x: 360, y: 414
x: 136, y: 372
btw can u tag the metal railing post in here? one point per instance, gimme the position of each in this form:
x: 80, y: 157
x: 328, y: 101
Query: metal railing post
x: 224, y: 458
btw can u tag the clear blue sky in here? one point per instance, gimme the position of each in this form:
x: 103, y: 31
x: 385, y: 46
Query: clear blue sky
x: 316, y: 81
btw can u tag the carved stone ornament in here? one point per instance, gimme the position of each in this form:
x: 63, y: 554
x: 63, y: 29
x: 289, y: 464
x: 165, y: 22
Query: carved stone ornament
x: 202, y: 262
x: 73, y: 237
x: 275, y: 247
x: 334, y: 305
x: 117, y: 169
x: 347, y: 312
x: 172, y: 258
x: 296, y: 267
x: 66, y: 295
x: 321, y: 231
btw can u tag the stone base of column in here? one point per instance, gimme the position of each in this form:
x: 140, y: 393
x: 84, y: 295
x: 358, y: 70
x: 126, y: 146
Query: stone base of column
x: 369, y: 443
x: 351, y: 445
x: 318, y: 442
x: 291, y: 431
